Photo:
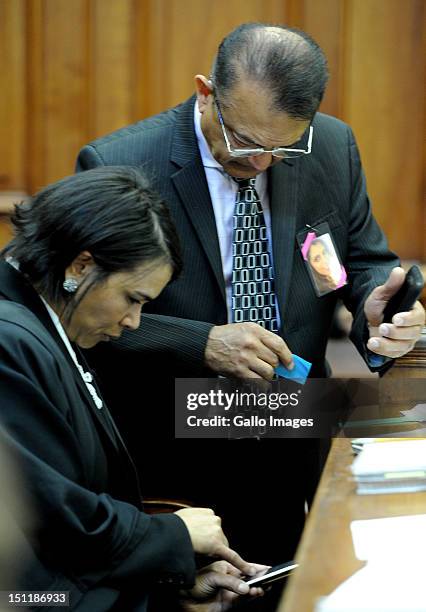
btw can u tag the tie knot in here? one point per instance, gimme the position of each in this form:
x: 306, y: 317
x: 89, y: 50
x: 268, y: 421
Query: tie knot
x: 244, y: 183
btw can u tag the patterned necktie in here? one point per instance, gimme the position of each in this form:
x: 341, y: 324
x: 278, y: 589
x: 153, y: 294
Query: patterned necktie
x: 253, y: 293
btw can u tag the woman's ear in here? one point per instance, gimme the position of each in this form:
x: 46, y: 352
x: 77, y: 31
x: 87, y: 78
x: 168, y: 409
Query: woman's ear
x: 80, y: 267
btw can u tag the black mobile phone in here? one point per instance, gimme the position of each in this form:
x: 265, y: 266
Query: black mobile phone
x: 277, y: 572
x: 405, y: 297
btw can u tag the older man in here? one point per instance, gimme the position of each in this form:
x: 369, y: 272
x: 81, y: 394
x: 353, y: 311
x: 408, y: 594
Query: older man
x: 248, y: 168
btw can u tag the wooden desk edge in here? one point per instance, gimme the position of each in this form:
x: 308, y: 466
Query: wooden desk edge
x: 339, y: 458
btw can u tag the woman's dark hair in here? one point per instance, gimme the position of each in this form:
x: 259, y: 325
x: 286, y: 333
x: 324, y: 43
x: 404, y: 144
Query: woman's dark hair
x: 287, y: 62
x: 323, y: 283
x: 111, y: 212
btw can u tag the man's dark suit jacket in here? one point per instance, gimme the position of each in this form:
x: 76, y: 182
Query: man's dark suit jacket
x: 90, y: 535
x: 326, y: 186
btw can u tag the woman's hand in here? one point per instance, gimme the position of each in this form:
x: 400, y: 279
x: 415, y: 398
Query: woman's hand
x: 207, y: 538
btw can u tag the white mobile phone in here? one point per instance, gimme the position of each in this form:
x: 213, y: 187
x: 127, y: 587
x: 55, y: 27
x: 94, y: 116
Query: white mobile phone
x: 277, y: 572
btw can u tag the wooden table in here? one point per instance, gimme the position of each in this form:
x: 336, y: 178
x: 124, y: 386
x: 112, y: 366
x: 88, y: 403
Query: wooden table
x: 325, y: 553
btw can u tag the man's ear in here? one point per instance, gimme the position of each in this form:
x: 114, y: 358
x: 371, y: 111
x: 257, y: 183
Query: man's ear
x: 80, y: 267
x: 204, y: 89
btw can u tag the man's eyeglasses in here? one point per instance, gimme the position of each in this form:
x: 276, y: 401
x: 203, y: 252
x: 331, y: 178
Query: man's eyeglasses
x: 283, y: 152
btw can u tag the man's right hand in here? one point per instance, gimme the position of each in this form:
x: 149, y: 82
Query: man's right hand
x: 246, y: 350
x: 217, y: 587
x: 208, y: 539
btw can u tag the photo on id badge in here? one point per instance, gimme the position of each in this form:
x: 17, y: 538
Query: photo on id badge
x: 322, y: 260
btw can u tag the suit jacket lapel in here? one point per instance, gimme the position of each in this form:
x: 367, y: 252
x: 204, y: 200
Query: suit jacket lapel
x: 16, y: 288
x: 283, y: 185
x: 191, y: 185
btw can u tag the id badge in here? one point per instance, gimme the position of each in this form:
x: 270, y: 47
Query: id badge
x: 321, y: 259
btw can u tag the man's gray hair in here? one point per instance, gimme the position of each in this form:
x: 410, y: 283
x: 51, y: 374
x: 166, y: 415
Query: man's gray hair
x: 287, y: 62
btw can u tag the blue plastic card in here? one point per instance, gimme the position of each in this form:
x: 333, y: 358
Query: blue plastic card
x: 299, y: 373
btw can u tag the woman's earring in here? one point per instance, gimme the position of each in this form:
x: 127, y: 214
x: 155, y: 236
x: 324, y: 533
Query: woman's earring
x: 70, y: 285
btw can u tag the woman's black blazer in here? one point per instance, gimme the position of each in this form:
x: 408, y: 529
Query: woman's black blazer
x: 89, y: 535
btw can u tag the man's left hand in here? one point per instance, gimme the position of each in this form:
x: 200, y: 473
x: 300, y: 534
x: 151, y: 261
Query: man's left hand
x: 399, y: 337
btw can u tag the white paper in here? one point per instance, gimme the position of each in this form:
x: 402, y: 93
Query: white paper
x: 418, y: 412
x: 390, y: 457
x: 399, y: 537
x: 379, y: 587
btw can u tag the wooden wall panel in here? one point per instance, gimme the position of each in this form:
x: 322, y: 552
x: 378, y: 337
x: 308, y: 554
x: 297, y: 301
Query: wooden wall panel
x: 73, y: 70
x: 141, y: 64
x: 36, y: 159
x: 111, y: 58
x: 384, y: 105
x: 210, y: 21
x: 65, y: 83
x: 422, y: 128
x: 5, y: 231
x: 183, y: 40
x: 58, y: 85
x: 13, y: 95
x: 324, y: 21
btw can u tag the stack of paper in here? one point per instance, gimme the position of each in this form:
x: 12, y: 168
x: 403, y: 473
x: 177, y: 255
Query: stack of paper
x: 394, y: 467
x: 359, y: 443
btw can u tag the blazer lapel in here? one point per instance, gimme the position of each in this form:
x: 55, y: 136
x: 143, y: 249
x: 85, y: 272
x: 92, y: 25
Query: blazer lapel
x: 15, y: 287
x: 191, y: 185
x: 283, y: 185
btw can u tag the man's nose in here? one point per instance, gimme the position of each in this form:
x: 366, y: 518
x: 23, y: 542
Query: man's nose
x: 261, y: 162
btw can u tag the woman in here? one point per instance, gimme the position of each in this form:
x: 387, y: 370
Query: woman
x: 326, y: 276
x: 89, y: 251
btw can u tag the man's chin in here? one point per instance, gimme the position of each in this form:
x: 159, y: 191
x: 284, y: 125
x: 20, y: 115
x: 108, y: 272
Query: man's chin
x: 240, y: 170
